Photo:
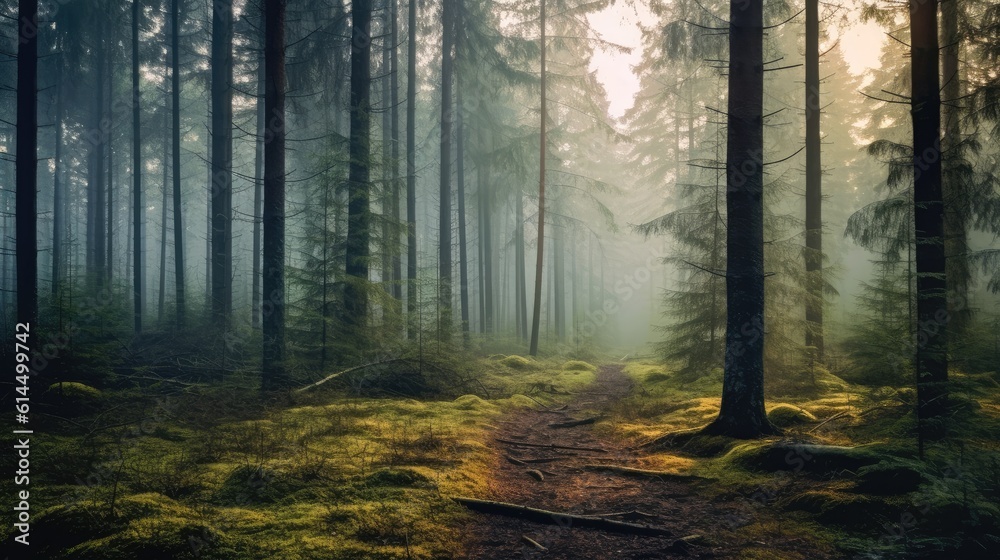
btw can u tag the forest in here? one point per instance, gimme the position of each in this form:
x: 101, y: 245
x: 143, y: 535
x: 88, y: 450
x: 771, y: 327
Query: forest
x: 491, y: 279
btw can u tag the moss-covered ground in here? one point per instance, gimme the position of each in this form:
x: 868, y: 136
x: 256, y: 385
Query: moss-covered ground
x: 207, y: 472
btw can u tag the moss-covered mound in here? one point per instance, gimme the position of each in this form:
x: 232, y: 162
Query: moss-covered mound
x: 800, y: 457
x: 578, y: 365
x: 787, y: 415
x: 519, y: 362
x: 889, y: 478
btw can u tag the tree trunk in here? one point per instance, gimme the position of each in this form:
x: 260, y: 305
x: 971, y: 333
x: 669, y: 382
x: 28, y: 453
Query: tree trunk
x: 175, y: 92
x: 463, y: 264
x: 397, y: 264
x: 954, y: 192
x: 99, y: 139
x: 274, y: 196
x: 358, y: 213
x: 444, y: 192
x: 161, y: 303
x: 536, y: 317
x: 222, y: 162
x: 137, y: 199
x: 58, y: 190
x: 110, y: 221
x: 26, y: 174
x: 814, y: 190
x: 742, y: 414
x: 258, y: 185
x: 932, y: 312
x: 388, y: 247
x: 411, y: 172
x: 520, y: 274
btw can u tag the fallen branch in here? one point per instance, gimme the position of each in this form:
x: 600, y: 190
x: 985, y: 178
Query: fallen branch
x: 539, y: 460
x: 514, y: 461
x: 348, y: 370
x: 557, y: 518
x: 643, y: 473
x: 536, y: 474
x: 552, y: 446
x: 573, y: 423
x: 530, y: 541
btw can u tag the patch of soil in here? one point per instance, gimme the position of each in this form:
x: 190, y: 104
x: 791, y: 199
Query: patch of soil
x: 701, y: 526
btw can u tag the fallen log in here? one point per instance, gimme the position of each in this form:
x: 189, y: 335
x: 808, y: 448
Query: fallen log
x: 552, y: 446
x: 573, y: 423
x: 562, y: 519
x: 643, y: 473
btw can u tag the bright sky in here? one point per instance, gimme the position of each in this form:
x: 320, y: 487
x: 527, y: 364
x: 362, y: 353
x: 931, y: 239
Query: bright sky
x: 860, y: 43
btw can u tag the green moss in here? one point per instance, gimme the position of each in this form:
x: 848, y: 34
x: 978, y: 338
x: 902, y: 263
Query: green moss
x: 472, y: 402
x: 773, y: 456
x: 785, y: 415
x: 890, y: 477
x: 74, y: 390
x: 519, y: 362
x: 396, y: 477
x: 578, y: 365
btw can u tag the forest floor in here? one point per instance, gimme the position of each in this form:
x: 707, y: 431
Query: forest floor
x: 562, y: 478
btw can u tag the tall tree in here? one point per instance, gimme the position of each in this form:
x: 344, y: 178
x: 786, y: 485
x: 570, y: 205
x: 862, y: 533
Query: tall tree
x: 444, y: 193
x: 397, y: 265
x: 58, y: 188
x: 928, y: 215
x: 358, y: 182
x: 175, y: 113
x: 539, y: 257
x: 26, y: 179
x: 222, y: 161
x: 411, y: 171
x: 274, y: 195
x: 742, y: 413
x: 814, y: 190
x: 137, y: 199
x: 258, y: 185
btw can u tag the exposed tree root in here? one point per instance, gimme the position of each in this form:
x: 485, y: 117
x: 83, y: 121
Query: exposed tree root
x: 643, y: 473
x: 562, y: 519
x: 573, y: 423
x: 552, y: 446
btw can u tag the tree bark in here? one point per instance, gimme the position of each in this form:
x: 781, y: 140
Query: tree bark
x: 99, y: 138
x: 175, y: 92
x: 411, y: 172
x: 358, y: 211
x: 463, y: 263
x: 58, y: 190
x: 137, y: 199
x: 397, y: 264
x: 258, y: 185
x: 222, y: 161
x: 539, y: 258
x: 932, y: 311
x: 26, y: 174
x: 814, y: 190
x: 444, y: 192
x: 742, y: 413
x: 274, y: 196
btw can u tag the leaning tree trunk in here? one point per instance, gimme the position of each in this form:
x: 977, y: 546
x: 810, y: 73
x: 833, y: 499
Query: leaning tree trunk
x: 742, y: 414
x: 358, y: 213
x: 26, y: 174
x: 814, y: 190
x: 539, y: 257
x: 137, y: 201
x: 411, y: 173
x: 175, y: 92
x: 444, y: 192
x: 274, y: 196
x: 222, y: 162
x: 928, y: 213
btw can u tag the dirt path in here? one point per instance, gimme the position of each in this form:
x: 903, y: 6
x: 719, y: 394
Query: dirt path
x: 566, y: 487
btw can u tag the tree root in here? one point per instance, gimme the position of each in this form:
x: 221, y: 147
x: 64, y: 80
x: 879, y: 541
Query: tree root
x: 558, y: 518
x: 643, y: 473
x: 552, y: 446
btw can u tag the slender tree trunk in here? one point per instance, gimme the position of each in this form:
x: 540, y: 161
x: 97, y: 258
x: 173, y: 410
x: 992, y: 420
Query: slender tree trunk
x: 520, y: 272
x: 444, y: 193
x: 954, y: 191
x: 274, y: 196
x: 222, y: 162
x: 932, y: 312
x: 411, y: 172
x: 397, y: 264
x: 137, y: 198
x: 358, y: 212
x: 539, y: 259
x: 258, y: 185
x: 386, y: 190
x: 559, y: 283
x: 742, y: 414
x: 175, y: 92
x: 26, y: 173
x: 100, y: 138
x: 109, y: 223
x: 486, y: 232
x: 463, y: 263
x: 814, y: 190
x: 58, y: 190
x: 161, y: 303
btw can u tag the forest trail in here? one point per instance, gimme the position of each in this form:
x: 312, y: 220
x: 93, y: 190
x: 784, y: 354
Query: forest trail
x: 562, y: 456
